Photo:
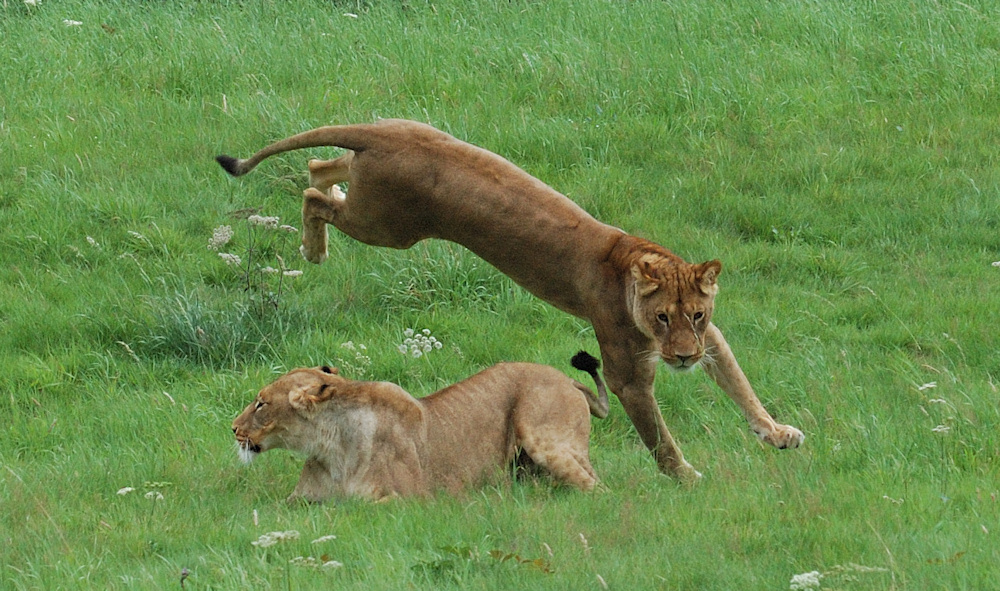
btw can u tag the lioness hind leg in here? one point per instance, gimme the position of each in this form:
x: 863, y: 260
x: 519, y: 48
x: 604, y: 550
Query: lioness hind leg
x: 324, y: 174
x: 564, y: 463
x: 318, y: 210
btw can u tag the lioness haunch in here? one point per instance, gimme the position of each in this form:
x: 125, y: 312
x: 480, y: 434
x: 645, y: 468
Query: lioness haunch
x: 373, y: 440
x: 409, y: 181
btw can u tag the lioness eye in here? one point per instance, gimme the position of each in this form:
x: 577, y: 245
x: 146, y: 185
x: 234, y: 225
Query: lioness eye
x: 260, y: 403
x: 663, y: 318
x: 698, y: 315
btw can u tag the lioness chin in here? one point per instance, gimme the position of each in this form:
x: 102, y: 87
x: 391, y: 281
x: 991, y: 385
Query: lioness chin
x: 409, y: 181
x: 373, y: 440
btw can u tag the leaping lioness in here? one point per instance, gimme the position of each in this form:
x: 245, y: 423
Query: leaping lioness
x: 409, y: 181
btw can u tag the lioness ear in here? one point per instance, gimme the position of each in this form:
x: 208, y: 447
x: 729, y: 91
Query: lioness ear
x: 328, y: 369
x: 709, y: 274
x: 305, y: 398
x: 645, y: 278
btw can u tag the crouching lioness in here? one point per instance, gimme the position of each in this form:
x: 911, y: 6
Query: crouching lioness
x: 373, y: 440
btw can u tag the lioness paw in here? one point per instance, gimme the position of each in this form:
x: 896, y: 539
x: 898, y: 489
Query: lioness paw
x: 686, y: 473
x: 313, y: 257
x: 783, y: 437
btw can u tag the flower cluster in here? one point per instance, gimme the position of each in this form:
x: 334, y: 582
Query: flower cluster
x: 153, y: 490
x: 840, y: 573
x: 310, y: 562
x: 220, y: 237
x: 268, y: 221
x: 417, y: 344
x: 233, y: 260
x: 809, y: 580
x: 354, y: 360
x: 270, y: 539
x: 267, y: 237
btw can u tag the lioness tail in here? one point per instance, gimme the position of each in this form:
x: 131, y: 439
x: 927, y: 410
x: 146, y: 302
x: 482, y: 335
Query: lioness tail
x: 598, y: 404
x: 351, y: 137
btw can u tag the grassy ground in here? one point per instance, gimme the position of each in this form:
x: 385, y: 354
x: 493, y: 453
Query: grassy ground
x: 840, y: 158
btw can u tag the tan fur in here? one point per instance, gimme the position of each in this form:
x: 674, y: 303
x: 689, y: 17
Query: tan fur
x: 409, y: 181
x: 373, y: 440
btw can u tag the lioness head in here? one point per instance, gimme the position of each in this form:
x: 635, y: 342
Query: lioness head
x: 672, y: 304
x: 280, y: 414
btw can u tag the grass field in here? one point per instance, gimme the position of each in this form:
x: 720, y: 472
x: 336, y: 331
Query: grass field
x: 840, y: 158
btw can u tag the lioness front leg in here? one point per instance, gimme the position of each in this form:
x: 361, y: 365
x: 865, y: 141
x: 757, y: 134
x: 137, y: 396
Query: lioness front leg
x: 640, y: 405
x: 726, y: 372
x: 631, y: 377
x: 315, y: 484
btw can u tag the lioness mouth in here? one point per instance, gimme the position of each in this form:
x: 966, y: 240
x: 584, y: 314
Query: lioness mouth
x: 247, y: 451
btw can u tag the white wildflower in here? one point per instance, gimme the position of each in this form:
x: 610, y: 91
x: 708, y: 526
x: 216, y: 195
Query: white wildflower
x: 808, y: 580
x: 269, y: 539
x: 927, y: 386
x: 92, y: 242
x: 996, y: 263
x: 269, y: 270
x: 230, y: 259
x: 31, y: 2
x: 220, y: 237
x: 71, y: 23
x: 154, y: 495
x: 125, y: 490
x: 269, y: 222
x: 322, y: 539
x: 417, y: 344
x: 293, y: 273
x: 287, y: 228
x: 311, y: 562
x: 941, y: 429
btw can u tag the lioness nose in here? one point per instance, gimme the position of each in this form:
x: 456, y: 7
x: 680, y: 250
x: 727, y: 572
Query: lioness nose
x: 683, y: 358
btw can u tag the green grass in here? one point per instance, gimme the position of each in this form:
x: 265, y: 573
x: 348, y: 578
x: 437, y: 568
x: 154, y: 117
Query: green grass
x: 839, y: 158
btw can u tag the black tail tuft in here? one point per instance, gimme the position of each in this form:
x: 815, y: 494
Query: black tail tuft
x: 230, y: 164
x: 585, y: 362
